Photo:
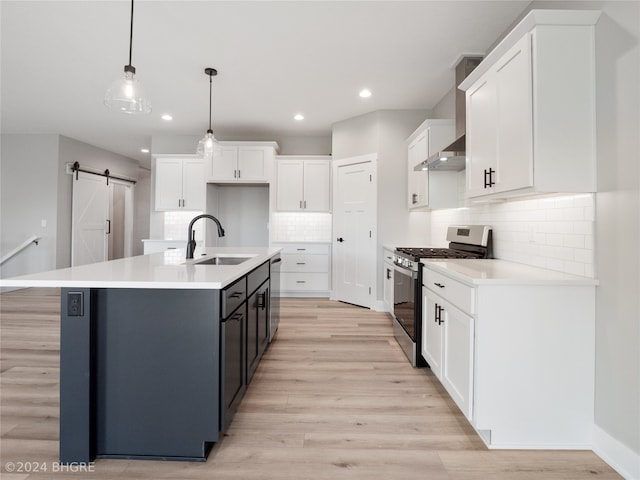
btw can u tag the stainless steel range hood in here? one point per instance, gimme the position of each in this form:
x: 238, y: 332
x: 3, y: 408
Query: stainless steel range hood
x: 452, y: 157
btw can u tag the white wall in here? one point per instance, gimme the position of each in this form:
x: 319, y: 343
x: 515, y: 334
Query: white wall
x: 243, y: 212
x: 36, y: 188
x: 617, y: 237
x: 304, y: 145
x: 142, y: 209
x: 29, y: 185
x: 384, y: 133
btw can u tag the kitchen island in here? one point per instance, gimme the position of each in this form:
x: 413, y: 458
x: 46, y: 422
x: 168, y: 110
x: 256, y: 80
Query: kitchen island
x: 155, y: 350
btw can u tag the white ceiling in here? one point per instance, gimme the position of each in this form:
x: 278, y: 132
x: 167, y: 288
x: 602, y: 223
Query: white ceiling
x: 274, y: 59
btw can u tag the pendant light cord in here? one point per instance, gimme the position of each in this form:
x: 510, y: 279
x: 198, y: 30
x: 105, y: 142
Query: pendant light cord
x: 210, y: 87
x: 131, y: 34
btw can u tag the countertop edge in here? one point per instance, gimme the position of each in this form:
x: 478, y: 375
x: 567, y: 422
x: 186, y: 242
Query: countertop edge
x: 184, y: 273
x: 472, y: 273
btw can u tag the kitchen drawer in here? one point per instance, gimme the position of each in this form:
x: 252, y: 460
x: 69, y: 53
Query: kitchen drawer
x: 233, y: 296
x: 305, y: 263
x: 302, y: 248
x: 459, y: 294
x: 155, y: 246
x: 305, y: 282
x: 257, y: 277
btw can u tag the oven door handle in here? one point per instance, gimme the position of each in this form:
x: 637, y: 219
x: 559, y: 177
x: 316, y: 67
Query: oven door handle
x: 410, y: 273
x: 403, y: 271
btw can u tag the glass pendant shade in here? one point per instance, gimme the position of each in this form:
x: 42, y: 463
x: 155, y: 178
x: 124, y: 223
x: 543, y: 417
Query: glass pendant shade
x: 206, y: 144
x: 127, y: 95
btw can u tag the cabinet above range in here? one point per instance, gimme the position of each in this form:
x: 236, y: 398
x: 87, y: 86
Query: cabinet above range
x: 430, y: 188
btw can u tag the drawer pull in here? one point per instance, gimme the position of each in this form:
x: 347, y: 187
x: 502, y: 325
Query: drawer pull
x: 236, y: 295
x: 301, y: 249
x: 301, y: 263
x: 300, y: 281
x: 439, y: 285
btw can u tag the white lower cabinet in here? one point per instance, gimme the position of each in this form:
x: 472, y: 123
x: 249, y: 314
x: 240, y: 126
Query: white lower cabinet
x: 514, y: 347
x: 447, y: 346
x: 305, y: 269
x: 387, y: 279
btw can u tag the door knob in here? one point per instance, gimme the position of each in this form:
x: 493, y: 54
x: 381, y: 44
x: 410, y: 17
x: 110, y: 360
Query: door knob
x: 340, y: 239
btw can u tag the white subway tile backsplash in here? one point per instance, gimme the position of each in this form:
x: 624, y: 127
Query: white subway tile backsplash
x: 176, y: 225
x: 553, y: 232
x: 301, y: 227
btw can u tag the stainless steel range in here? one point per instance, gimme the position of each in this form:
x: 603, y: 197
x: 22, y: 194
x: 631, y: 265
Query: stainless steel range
x: 468, y: 241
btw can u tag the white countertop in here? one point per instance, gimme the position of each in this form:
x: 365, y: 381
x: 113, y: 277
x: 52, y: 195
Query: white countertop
x: 502, y: 272
x: 167, y: 269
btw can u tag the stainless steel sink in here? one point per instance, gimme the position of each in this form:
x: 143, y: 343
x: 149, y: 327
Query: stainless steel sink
x: 222, y: 260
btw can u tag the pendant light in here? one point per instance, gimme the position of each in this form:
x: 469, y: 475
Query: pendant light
x: 126, y: 94
x: 206, y: 144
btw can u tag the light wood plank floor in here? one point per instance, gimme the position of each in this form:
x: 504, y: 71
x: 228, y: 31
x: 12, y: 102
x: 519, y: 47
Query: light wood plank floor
x: 334, y: 398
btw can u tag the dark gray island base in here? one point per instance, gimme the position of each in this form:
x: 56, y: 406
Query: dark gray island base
x: 157, y: 373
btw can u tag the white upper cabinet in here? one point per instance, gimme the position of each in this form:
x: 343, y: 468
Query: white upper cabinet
x: 531, y: 109
x: 180, y: 183
x: 243, y: 162
x: 303, y: 184
x: 429, y: 138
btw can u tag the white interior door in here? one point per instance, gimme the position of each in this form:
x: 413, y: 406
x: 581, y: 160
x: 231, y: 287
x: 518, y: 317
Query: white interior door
x: 90, y: 212
x: 354, y: 231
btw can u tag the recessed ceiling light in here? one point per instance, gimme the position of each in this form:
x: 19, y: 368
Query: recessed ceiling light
x: 298, y: 117
x: 144, y: 150
x: 167, y: 117
x: 365, y: 93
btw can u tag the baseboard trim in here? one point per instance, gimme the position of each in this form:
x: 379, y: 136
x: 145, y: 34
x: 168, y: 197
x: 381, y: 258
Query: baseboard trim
x: 620, y: 457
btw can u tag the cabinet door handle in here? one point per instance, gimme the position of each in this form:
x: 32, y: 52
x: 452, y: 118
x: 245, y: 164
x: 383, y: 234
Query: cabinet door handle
x: 414, y: 198
x: 237, y: 316
x: 488, y: 178
x: 439, y: 285
x: 388, y: 274
x: 238, y: 173
x: 300, y: 204
x: 108, y: 227
x: 439, y: 310
x: 305, y: 204
x: 235, y: 174
x: 262, y: 300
